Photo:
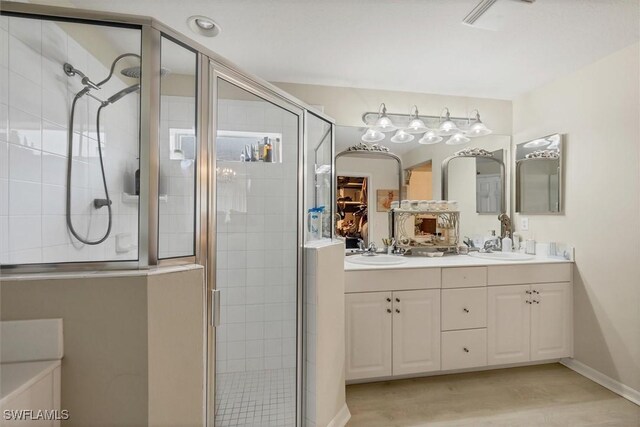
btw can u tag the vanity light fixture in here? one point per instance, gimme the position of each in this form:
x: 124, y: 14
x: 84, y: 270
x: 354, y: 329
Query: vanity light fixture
x: 457, y: 139
x: 430, y: 137
x: 372, y: 135
x: 203, y: 25
x: 416, y: 124
x: 477, y: 128
x: 402, y: 137
x: 447, y: 127
x: 383, y: 122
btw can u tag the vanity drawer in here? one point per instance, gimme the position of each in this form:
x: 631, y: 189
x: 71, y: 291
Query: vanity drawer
x: 464, y: 277
x: 525, y: 274
x: 391, y: 279
x: 464, y: 349
x: 464, y: 308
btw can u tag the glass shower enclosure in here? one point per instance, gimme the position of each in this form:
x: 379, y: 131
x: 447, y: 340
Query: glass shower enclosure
x: 138, y: 147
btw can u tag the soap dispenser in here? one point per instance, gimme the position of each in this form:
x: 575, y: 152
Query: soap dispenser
x: 507, y: 243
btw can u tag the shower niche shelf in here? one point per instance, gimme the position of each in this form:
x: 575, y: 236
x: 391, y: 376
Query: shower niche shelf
x: 133, y: 198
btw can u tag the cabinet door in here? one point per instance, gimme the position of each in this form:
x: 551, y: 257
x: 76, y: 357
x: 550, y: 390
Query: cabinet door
x: 416, y: 331
x: 551, y: 321
x: 368, y: 335
x: 508, y: 324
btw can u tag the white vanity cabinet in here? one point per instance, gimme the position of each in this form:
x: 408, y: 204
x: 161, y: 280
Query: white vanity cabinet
x: 392, y: 333
x: 416, y: 331
x: 368, y: 318
x: 529, y: 323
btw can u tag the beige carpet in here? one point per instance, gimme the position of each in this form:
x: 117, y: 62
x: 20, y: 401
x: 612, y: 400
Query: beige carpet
x: 544, y: 395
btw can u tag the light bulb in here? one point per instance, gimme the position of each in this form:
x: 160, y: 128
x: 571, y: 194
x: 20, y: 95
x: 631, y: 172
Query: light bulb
x: 457, y: 139
x: 430, y: 137
x: 372, y: 135
x: 402, y: 137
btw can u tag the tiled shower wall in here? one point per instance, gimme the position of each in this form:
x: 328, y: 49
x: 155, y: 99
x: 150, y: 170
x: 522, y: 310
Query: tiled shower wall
x: 256, y: 247
x: 35, y: 100
x: 176, y: 206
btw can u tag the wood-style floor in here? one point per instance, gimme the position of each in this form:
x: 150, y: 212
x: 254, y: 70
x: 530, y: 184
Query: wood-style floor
x: 543, y: 395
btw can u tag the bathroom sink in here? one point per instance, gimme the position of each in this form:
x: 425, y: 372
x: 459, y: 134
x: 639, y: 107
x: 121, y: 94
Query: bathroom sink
x: 502, y: 256
x: 376, y: 260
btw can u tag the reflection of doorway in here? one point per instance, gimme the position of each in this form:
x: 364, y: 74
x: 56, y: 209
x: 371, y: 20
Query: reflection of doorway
x: 420, y: 182
x: 352, y: 209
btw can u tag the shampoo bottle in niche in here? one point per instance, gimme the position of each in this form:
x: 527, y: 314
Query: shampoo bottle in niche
x: 507, y: 243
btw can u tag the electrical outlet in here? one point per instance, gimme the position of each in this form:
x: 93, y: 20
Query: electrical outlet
x: 524, y: 224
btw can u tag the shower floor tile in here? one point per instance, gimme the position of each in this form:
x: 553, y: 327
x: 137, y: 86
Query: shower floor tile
x: 257, y: 398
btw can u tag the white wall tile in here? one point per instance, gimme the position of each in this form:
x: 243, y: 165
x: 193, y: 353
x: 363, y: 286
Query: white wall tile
x: 24, y: 94
x: 4, y: 160
x: 24, y: 164
x: 25, y: 129
x: 25, y: 198
x: 25, y: 61
x: 4, y: 197
x: 25, y: 232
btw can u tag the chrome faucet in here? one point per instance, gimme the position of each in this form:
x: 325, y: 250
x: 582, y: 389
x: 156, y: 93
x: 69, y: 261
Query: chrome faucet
x: 367, y: 251
x: 493, y: 244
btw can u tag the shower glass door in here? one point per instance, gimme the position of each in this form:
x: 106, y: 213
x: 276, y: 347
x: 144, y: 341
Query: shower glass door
x: 256, y: 257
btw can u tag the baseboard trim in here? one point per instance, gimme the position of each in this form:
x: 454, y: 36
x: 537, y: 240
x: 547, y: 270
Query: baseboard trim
x: 341, y: 418
x: 604, y: 380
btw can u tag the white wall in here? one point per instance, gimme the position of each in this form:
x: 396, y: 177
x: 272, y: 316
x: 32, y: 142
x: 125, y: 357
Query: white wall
x: 598, y: 109
x: 35, y: 100
x: 346, y: 105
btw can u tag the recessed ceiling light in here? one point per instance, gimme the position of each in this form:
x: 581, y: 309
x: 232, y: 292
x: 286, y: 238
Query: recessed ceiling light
x: 204, y: 26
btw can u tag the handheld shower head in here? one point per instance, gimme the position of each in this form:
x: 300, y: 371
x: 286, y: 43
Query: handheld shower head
x: 71, y: 71
x: 116, y: 96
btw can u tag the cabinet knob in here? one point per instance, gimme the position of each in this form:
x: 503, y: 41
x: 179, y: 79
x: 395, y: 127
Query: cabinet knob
x: 466, y: 350
x: 466, y: 310
x: 388, y: 310
x: 388, y: 299
x: 397, y: 299
x: 397, y: 311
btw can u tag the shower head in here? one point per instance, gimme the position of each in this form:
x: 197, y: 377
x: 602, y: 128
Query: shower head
x: 134, y: 72
x: 116, y: 96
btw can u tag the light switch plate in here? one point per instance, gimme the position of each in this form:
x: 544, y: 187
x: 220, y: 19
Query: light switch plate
x: 524, y: 224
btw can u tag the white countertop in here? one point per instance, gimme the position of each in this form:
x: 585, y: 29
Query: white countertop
x: 16, y: 377
x: 449, y: 261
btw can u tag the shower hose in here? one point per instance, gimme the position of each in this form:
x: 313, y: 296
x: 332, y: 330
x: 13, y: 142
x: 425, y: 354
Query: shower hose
x: 73, y: 231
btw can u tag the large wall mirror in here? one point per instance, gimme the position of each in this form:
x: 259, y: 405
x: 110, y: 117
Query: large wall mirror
x: 474, y: 182
x: 539, y: 175
x: 366, y: 184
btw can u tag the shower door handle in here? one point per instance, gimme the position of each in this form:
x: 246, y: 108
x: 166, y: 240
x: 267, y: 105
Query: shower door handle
x: 214, y: 310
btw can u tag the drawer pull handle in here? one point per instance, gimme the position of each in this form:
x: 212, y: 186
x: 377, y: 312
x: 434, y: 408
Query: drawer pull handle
x: 466, y: 350
x: 388, y: 310
x: 536, y: 301
x: 397, y: 299
x: 466, y: 310
x: 388, y: 299
x: 528, y: 302
x: 536, y: 292
x: 527, y: 292
x: 397, y: 311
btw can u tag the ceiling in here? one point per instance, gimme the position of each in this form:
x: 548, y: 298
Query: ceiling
x: 404, y: 45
